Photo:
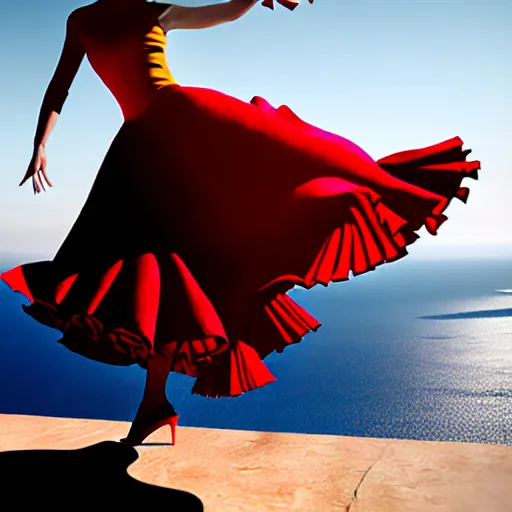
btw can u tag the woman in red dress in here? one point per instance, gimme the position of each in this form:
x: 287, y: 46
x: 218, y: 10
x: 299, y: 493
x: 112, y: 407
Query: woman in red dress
x: 207, y: 210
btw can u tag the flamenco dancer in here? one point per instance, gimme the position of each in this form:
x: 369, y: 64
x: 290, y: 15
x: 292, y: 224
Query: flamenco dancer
x: 207, y: 210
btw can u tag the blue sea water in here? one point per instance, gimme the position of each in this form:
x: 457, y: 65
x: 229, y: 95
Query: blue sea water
x: 417, y: 349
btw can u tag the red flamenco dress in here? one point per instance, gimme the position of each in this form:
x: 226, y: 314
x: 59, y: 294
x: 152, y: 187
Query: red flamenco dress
x: 207, y: 210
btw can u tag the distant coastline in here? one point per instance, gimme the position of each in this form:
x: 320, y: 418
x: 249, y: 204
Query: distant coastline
x: 432, y: 250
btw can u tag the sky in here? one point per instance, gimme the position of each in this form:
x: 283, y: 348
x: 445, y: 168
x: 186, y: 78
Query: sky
x: 389, y: 75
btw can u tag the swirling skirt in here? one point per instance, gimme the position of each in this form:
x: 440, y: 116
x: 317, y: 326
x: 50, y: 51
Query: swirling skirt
x: 206, y: 211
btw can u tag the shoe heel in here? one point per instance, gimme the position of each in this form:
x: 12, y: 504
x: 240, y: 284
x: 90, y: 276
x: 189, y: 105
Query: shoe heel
x: 172, y: 423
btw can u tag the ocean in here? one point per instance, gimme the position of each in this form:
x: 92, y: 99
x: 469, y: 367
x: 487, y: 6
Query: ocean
x: 418, y: 349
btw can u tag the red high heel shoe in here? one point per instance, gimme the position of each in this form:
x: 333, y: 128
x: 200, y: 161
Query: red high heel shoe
x: 137, y: 439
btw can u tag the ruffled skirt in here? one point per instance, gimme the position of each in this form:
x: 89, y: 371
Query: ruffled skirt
x: 206, y: 211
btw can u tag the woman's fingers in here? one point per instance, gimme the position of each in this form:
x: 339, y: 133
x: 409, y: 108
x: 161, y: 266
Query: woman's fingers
x: 45, y: 176
x: 37, y: 184
x: 289, y: 4
x: 40, y: 180
x: 38, y: 177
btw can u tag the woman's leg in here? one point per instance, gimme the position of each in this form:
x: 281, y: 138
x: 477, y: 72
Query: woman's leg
x: 158, y: 368
x: 154, y: 405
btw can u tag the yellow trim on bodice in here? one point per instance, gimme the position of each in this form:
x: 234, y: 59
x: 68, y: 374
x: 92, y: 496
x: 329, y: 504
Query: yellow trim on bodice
x: 154, y: 47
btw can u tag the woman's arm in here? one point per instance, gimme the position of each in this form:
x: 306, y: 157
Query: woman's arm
x: 176, y: 17
x: 57, y: 91
x: 54, y: 98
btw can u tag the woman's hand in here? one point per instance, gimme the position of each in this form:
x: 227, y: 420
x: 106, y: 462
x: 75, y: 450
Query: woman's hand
x: 36, y: 168
x: 289, y: 4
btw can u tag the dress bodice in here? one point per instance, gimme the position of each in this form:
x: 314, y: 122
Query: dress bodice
x: 125, y: 45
